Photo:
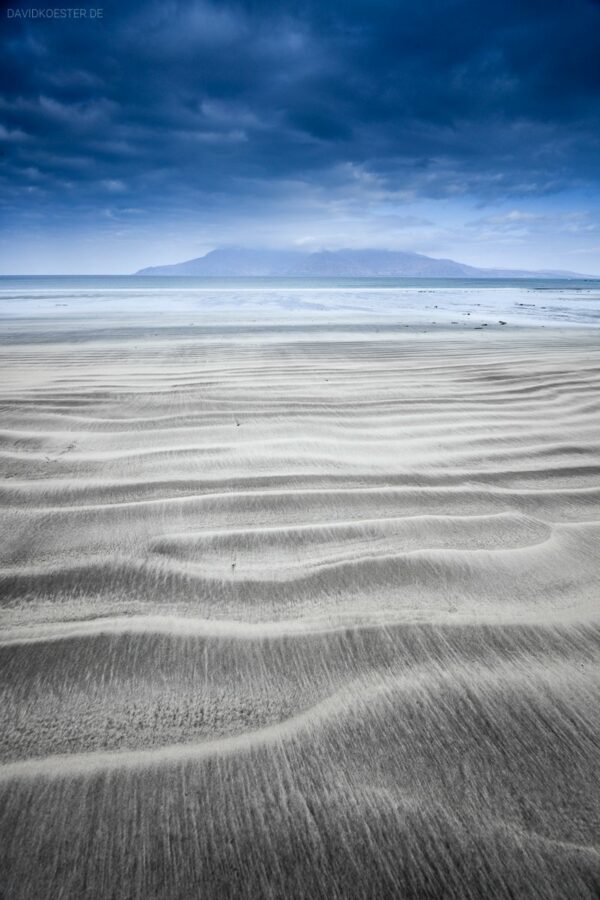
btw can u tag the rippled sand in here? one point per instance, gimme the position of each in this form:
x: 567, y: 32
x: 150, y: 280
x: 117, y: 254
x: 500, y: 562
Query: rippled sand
x: 300, y: 613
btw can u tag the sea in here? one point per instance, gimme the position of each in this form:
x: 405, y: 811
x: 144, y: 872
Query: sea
x: 168, y: 300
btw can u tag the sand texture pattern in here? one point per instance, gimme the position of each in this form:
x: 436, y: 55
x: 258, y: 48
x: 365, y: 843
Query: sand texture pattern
x: 301, y: 614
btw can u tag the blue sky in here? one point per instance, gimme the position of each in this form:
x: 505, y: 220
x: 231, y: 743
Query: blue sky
x: 162, y: 130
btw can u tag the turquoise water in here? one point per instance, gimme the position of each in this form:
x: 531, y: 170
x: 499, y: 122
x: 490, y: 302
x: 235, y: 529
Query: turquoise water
x: 181, y: 282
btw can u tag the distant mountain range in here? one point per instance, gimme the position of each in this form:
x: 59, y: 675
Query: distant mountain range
x: 235, y: 261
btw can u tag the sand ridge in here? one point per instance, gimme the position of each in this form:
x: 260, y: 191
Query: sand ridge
x: 299, y: 612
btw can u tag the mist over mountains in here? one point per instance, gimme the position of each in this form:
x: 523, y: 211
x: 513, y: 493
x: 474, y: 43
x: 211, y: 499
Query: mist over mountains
x: 236, y: 261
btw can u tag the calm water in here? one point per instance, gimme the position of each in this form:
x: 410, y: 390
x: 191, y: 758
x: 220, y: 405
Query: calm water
x: 198, y: 301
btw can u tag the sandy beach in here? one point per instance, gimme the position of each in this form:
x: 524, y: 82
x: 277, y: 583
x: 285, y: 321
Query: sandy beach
x: 293, y: 610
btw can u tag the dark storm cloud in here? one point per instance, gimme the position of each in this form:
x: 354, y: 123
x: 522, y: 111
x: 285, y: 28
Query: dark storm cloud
x: 196, y: 105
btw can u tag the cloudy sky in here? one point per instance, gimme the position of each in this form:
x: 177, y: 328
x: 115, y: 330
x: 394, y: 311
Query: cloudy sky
x: 161, y: 130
